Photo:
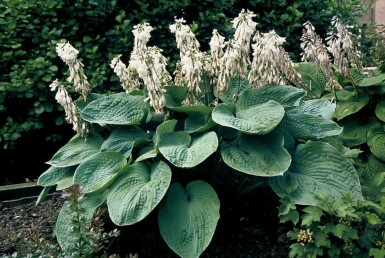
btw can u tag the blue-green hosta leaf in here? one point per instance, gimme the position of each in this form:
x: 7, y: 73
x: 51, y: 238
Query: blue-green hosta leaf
x: 236, y: 87
x: 175, y: 95
x: 137, y: 191
x: 313, y: 79
x: 117, y: 109
x: 198, y: 124
x: 316, y: 107
x: 259, y: 119
x: 380, y: 111
x: 308, y: 127
x: 317, y: 168
x: 65, y: 235
x: 364, y: 81
x: 76, y: 150
x: 188, y: 218
x: 98, y: 170
x: 162, y: 129
x: 258, y: 155
x: 194, y: 111
x: 147, y: 152
x: 376, y: 143
x: 354, y: 132
x: 54, y: 174
x: 286, y: 96
x: 181, y: 151
x: 81, y: 104
x: 43, y: 194
x: 350, y: 105
x: 65, y: 183
x: 124, y: 140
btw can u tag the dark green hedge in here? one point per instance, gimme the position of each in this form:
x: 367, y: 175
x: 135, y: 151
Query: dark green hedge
x: 100, y: 29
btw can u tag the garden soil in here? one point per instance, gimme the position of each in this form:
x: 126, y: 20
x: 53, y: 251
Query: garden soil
x: 247, y: 228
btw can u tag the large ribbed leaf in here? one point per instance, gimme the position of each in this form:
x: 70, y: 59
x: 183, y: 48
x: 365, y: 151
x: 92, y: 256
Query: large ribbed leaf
x: 123, y: 140
x: 80, y: 103
x: 137, y: 191
x: 308, y: 127
x: 181, y: 151
x: 65, y: 235
x: 354, y: 132
x: 54, y: 174
x: 97, y: 171
x: 198, y: 124
x: 76, y: 150
x: 175, y: 95
x: 380, y: 111
x: 65, y: 183
x: 259, y: 119
x: 188, y: 218
x: 317, y: 168
x: 371, y: 168
x: 287, y: 96
x: 162, y: 129
x: 258, y: 155
x: 350, y: 104
x: 117, y: 109
x: 364, y: 81
x: 313, y: 79
x: 316, y: 107
x: 376, y: 143
x: 147, y: 152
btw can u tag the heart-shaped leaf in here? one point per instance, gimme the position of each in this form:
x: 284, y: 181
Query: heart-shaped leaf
x: 54, y: 174
x: 65, y: 235
x: 123, y: 140
x: 376, y: 143
x: 175, y: 95
x: 313, y: 79
x: 147, y: 152
x: 137, y: 191
x: 317, y: 168
x: 236, y: 87
x: 162, y: 129
x: 259, y: 119
x: 354, y: 131
x: 308, y: 127
x: 258, y: 155
x: 350, y: 104
x: 380, y: 111
x: 97, y: 171
x: 178, y: 148
x: 76, y: 150
x: 316, y: 107
x: 117, y: 109
x: 364, y: 81
x: 188, y: 218
x: 198, y: 124
x: 286, y: 96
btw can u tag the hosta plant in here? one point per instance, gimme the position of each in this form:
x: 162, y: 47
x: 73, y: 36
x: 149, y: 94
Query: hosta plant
x: 163, y: 144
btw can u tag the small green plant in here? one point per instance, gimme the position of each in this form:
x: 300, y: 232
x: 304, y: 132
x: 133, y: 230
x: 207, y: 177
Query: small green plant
x: 336, y: 228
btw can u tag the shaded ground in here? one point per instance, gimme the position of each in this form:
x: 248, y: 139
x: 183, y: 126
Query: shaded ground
x: 248, y: 228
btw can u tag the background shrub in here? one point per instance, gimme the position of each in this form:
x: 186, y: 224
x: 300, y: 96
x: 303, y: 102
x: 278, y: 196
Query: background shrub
x: 30, y: 119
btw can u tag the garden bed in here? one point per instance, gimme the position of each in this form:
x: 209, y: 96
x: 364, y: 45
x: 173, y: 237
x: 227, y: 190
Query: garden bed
x: 246, y: 229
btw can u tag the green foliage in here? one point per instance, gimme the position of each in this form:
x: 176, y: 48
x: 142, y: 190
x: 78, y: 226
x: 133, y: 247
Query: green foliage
x: 138, y: 160
x: 336, y: 228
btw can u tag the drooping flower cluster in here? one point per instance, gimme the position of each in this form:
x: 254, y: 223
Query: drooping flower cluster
x: 71, y: 111
x: 236, y: 59
x: 315, y: 51
x: 127, y: 75
x: 217, y: 43
x: 147, y: 64
x: 271, y: 63
x: 69, y: 56
x: 150, y: 65
x: 341, y: 46
x: 189, y: 70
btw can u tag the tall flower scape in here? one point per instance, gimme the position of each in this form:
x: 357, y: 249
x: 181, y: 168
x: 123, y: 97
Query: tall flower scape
x: 239, y: 108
